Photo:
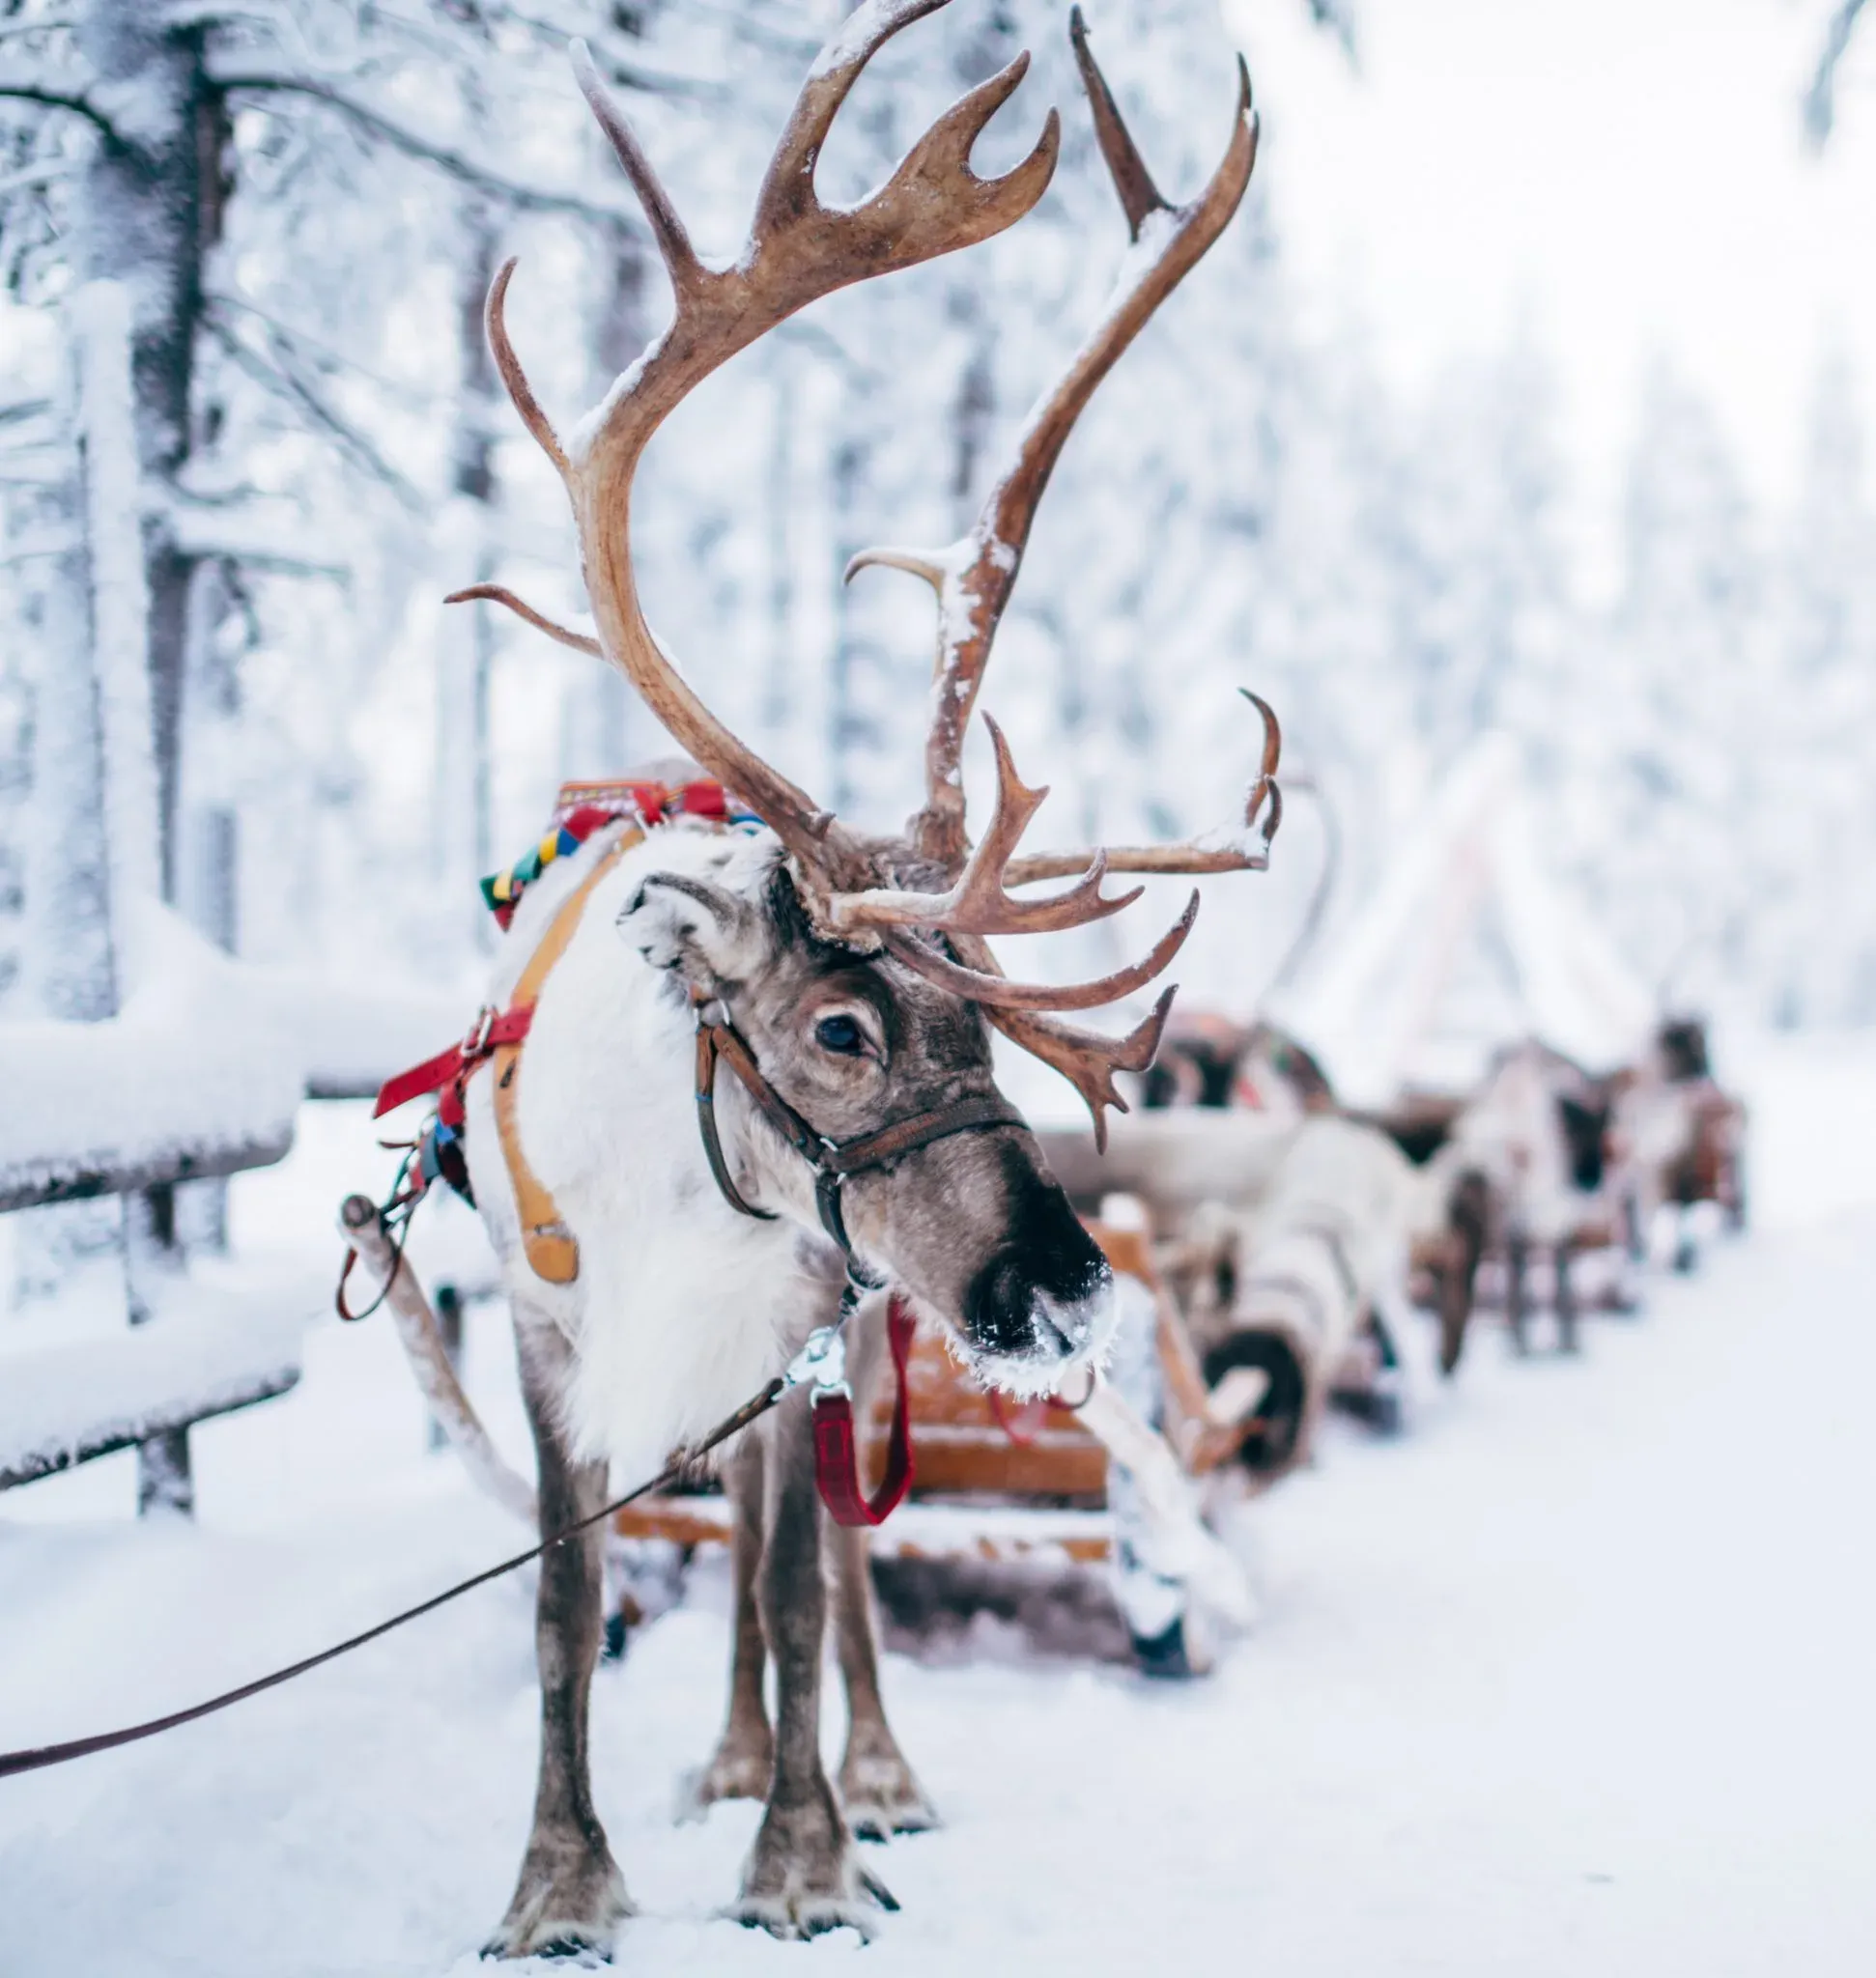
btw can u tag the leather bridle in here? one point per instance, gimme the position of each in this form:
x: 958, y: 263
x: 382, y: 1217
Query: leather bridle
x: 832, y: 1161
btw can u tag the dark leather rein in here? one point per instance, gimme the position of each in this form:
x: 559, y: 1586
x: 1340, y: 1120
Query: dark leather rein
x: 832, y: 1161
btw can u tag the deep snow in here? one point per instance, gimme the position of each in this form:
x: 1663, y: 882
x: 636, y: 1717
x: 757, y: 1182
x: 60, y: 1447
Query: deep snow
x: 1573, y: 1678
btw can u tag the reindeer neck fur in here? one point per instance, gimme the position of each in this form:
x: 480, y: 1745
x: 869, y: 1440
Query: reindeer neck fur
x: 682, y: 1308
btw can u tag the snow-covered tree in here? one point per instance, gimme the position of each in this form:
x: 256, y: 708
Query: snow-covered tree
x: 1666, y: 695
x: 1812, y: 728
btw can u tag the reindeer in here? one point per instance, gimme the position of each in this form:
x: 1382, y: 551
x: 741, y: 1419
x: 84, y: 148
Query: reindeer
x: 657, y: 1274
x: 1533, y: 1141
x: 1677, y: 1139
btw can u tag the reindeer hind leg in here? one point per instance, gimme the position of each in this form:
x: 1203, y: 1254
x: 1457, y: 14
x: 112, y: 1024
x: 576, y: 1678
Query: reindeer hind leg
x: 1566, y: 1300
x: 878, y: 1788
x: 803, y: 1876
x: 1517, y: 1292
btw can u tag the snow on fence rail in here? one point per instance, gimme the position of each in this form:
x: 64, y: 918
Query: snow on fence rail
x: 190, y: 1080
x: 199, y: 1076
x: 62, y: 1405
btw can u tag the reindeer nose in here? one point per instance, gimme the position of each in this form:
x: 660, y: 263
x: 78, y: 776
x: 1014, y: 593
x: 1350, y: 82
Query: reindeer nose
x: 1017, y: 1314
x: 1078, y: 1322
x: 1002, y: 1310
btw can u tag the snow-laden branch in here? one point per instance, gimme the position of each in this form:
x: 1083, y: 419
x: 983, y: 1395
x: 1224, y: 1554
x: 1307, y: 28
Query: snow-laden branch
x: 23, y: 83
x: 40, y: 172
x: 320, y: 351
x: 50, y: 24
x: 1338, y: 16
x: 426, y: 149
x: 262, y: 532
x: 1820, y: 99
x: 279, y: 377
x: 557, y: 25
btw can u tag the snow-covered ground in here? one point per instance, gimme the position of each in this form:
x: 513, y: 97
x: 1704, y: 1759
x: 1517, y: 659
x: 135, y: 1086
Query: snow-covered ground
x: 1574, y: 1679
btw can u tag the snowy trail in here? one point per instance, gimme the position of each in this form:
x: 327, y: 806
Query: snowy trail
x: 1573, y: 1680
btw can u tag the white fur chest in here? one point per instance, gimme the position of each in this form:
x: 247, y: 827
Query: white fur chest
x: 682, y: 1309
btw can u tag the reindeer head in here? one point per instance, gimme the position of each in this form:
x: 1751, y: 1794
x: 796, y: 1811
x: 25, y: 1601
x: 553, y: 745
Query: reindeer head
x: 856, y: 970
x: 969, y: 1221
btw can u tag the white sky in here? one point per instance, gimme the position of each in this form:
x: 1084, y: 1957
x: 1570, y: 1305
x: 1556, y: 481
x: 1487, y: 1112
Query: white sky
x: 1633, y: 173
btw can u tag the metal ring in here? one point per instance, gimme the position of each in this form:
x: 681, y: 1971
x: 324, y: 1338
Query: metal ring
x: 1075, y: 1407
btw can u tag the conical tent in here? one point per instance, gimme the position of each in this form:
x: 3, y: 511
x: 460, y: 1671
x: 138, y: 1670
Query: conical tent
x: 1470, y: 943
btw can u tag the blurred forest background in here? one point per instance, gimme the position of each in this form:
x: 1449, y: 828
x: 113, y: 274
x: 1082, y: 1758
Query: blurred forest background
x: 302, y: 202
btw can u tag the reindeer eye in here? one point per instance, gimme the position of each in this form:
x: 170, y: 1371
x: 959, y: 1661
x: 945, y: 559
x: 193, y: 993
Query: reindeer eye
x: 839, y: 1033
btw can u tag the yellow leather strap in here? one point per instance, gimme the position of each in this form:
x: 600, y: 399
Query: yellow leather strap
x: 552, y: 1253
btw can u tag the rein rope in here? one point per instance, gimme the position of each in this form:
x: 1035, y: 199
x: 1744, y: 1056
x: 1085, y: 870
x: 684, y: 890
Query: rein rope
x: 407, y: 1189
x: 821, y: 1358
x: 821, y: 1361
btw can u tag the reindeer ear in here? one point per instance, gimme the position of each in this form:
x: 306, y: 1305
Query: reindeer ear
x: 704, y: 933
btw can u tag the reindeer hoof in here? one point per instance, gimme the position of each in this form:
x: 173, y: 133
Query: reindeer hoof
x: 794, y: 1915
x: 881, y: 1798
x: 738, y: 1771
x: 563, y: 1910
x: 804, y: 1878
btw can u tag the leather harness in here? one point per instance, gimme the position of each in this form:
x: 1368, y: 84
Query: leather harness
x: 552, y: 1251
x: 553, y: 1255
x: 832, y: 1161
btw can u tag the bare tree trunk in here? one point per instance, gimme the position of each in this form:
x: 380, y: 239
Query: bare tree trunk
x: 844, y: 725
x: 121, y: 626
x: 153, y: 195
x: 780, y: 711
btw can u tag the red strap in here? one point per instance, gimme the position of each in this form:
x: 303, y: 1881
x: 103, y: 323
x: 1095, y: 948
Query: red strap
x: 1024, y: 1422
x: 447, y: 1066
x: 700, y: 800
x: 836, y: 1468
x: 587, y: 819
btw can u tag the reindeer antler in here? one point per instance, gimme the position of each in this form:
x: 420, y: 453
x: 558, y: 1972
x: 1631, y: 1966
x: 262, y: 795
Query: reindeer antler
x: 978, y: 904
x: 798, y: 250
x: 1246, y: 850
x: 974, y: 578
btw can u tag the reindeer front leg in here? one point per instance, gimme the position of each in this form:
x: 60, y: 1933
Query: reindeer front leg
x: 803, y: 1876
x: 1518, y: 1255
x: 1566, y: 1299
x: 570, y: 1897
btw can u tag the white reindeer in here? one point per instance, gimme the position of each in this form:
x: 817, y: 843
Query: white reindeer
x: 659, y: 1276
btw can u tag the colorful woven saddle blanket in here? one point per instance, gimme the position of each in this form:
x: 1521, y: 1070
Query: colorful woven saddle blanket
x: 583, y: 809
x: 580, y: 810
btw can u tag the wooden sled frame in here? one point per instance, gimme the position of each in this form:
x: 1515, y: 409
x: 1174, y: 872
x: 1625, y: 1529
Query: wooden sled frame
x: 994, y: 1481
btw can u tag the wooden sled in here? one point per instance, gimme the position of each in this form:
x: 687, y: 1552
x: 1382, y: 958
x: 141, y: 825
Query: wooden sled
x: 996, y: 1481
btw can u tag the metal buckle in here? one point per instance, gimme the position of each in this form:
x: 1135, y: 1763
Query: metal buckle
x: 822, y: 1360
x: 476, y: 1042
